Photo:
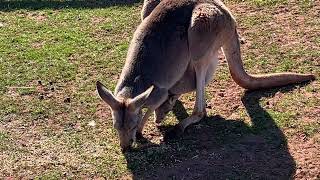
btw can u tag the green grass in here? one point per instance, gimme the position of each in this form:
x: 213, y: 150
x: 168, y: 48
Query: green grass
x: 68, y: 45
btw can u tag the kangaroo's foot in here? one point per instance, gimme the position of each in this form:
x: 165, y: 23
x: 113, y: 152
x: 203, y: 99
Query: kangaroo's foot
x: 178, y: 130
x: 194, y: 118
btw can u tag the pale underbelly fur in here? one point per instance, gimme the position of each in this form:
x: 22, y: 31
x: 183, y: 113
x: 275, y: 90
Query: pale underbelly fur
x: 188, y: 82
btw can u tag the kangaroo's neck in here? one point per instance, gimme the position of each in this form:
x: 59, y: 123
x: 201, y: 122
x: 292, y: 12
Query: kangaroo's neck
x: 132, y: 86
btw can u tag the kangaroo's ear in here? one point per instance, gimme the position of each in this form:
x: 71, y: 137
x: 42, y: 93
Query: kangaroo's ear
x: 107, y: 96
x: 148, y: 7
x: 137, y: 102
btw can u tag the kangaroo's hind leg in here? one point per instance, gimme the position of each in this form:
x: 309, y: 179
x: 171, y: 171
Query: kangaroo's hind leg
x: 205, y: 39
x: 204, y: 70
x: 199, y: 108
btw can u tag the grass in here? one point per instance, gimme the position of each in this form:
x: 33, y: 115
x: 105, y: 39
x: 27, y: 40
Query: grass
x: 51, y: 54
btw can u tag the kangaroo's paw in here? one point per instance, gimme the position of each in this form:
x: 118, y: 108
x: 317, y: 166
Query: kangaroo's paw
x: 178, y: 130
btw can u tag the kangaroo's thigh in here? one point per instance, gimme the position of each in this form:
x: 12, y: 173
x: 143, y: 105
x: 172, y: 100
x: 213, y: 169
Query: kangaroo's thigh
x: 209, y: 24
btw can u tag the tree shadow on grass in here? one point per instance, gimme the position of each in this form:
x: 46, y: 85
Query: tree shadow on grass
x: 219, y: 148
x: 61, y: 4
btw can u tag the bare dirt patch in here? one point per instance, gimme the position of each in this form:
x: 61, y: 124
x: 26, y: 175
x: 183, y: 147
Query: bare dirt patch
x: 307, y: 156
x: 38, y: 17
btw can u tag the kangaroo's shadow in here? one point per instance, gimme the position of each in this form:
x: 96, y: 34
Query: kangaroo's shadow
x: 219, y: 148
x: 48, y: 4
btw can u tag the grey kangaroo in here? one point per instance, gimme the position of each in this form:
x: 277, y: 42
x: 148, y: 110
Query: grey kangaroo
x: 174, y: 51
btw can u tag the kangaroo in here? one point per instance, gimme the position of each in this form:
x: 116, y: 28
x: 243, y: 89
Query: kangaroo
x: 174, y: 51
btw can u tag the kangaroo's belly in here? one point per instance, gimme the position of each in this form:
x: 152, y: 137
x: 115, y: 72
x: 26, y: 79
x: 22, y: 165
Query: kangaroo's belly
x: 188, y: 81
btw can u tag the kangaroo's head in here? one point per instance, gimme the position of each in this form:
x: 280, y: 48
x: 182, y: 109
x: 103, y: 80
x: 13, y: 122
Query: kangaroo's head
x: 126, y: 113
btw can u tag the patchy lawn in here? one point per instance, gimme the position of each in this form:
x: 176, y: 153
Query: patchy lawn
x: 53, y: 125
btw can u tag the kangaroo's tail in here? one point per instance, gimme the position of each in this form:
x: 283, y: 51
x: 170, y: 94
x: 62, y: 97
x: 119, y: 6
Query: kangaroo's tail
x: 231, y: 50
